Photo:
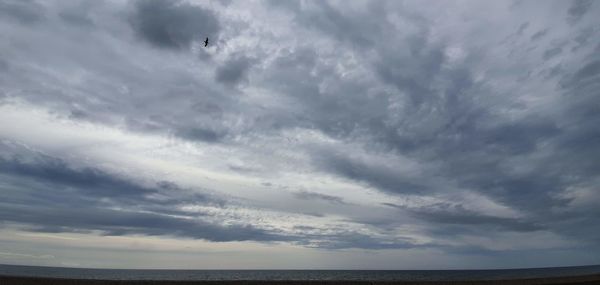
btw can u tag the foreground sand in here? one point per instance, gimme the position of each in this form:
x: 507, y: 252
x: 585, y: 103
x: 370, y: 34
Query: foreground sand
x: 14, y: 280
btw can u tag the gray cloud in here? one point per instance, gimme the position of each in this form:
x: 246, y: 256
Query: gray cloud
x: 578, y: 9
x: 78, y: 16
x: 54, y: 197
x: 234, y: 70
x: 25, y: 12
x: 356, y: 240
x: 590, y: 70
x: 341, y: 24
x: 54, y: 170
x: 378, y: 176
x: 172, y: 23
x: 550, y: 53
x: 92, y: 184
x: 583, y: 38
x: 321, y: 89
x: 341, y: 238
x: 522, y: 28
x: 198, y: 134
x: 468, y: 141
x: 539, y: 35
x: 123, y: 222
x: 307, y: 195
x: 443, y: 213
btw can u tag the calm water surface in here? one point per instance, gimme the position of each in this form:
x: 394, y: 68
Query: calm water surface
x: 408, y: 275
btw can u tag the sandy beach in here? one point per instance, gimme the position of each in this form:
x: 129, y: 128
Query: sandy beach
x: 17, y: 280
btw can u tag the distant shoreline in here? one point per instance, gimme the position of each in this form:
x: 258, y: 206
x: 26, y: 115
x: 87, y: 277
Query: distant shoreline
x: 23, y: 280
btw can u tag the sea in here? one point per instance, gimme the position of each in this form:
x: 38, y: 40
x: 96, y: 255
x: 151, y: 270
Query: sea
x: 372, y: 275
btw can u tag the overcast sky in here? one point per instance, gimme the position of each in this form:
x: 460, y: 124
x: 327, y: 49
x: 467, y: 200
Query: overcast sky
x: 308, y: 134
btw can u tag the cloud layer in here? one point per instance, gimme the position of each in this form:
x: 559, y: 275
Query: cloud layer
x: 463, y: 129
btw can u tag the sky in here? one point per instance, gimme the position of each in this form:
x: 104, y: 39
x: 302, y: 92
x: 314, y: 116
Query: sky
x: 306, y: 135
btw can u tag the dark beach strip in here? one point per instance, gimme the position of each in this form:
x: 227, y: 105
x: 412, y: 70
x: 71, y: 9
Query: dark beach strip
x: 21, y: 280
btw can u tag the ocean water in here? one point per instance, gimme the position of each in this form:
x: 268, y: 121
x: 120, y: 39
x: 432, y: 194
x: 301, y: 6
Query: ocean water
x: 407, y: 275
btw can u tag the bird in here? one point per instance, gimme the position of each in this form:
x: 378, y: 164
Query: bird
x: 206, y: 42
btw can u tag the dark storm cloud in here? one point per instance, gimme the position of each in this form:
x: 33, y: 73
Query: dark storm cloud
x: 173, y: 23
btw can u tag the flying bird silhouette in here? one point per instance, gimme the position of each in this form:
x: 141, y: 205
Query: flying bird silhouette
x: 206, y: 42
